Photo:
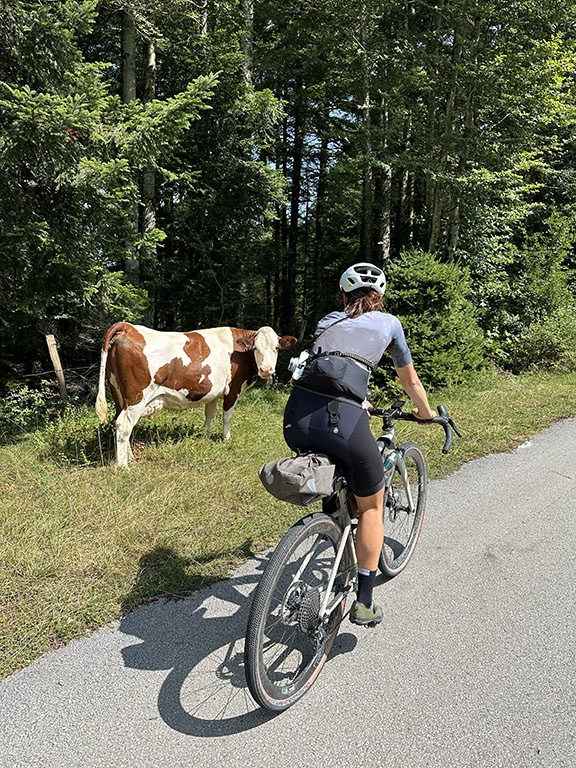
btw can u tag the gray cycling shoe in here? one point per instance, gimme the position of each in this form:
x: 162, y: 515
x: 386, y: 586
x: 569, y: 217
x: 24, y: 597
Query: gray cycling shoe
x: 365, y: 617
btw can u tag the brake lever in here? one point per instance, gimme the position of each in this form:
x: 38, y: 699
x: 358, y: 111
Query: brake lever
x: 454, y: 427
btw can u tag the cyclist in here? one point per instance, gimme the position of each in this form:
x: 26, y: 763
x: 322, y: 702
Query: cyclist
x: 327, y: 408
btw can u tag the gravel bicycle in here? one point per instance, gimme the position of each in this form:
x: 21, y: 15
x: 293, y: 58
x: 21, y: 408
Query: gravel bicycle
x: 300, y: 601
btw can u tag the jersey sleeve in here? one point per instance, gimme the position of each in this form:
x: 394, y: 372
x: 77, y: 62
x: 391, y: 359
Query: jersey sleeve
x: 398, y: 347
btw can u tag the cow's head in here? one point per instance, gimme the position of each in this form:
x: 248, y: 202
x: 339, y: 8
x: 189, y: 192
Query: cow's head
x: 267, y: 344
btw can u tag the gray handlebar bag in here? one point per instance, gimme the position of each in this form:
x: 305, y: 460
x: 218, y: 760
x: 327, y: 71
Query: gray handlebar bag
x: 298, y: 479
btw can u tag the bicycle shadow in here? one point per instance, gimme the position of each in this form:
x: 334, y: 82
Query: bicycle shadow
x: 200, y: 640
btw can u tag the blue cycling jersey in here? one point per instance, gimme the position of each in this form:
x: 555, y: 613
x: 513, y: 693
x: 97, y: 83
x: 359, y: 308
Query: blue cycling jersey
x: 369, y: 335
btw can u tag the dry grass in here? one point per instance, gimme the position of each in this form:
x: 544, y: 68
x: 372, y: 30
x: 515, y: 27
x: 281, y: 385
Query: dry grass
x: 81, y: 545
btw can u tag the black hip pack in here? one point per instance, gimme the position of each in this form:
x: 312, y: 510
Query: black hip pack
x: 336, y: 373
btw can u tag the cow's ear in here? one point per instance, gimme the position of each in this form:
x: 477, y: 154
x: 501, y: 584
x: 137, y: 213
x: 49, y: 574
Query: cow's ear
x: 244, y: 344
x: 286, y: 342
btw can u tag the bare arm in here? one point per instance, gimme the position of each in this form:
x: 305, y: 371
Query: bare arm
x: 412, y: 385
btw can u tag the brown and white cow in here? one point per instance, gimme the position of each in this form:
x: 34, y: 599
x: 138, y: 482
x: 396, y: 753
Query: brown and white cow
x: 148, y: 370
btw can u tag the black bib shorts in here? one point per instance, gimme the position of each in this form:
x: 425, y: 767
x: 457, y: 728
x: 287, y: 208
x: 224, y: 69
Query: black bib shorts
x: 309, y: 426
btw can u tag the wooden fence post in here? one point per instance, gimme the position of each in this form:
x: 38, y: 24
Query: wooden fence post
x: 55, y: 357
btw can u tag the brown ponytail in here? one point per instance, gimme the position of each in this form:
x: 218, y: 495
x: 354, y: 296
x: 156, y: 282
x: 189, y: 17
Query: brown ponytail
x: 362, y: 300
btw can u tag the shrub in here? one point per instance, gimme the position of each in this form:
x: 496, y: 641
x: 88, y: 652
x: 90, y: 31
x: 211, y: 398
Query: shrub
x: 25, y: 408
x: 547, y: 343
x: 431, y: 300
x: 74, y: 437
x: 529, y: 311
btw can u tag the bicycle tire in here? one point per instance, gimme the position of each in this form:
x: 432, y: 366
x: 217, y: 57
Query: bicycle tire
x: 402, y: 527
x: 287, y: 607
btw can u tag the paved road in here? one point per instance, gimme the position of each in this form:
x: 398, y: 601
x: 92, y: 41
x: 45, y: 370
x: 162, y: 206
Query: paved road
x: 475, y: 665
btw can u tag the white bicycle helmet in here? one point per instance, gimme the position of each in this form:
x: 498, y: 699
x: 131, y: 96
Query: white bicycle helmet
x: 363, y: 275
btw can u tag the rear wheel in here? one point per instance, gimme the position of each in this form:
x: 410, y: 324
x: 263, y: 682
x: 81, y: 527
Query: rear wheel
x: 402, y: 525
x: 286, y: 643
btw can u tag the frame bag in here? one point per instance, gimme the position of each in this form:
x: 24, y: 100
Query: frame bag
x: 298, y: 479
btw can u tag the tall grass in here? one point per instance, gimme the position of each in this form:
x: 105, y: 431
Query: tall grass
x: 82, y: 541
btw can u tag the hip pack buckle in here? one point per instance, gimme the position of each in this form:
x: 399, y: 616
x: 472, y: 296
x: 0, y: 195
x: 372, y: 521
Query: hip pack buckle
x: 333, y: 406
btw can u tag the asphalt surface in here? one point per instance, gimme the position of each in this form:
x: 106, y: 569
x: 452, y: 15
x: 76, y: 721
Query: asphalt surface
x: 474, y: 665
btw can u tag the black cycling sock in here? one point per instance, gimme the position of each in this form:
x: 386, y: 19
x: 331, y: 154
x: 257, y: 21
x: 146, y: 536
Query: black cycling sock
x: 365, y: 586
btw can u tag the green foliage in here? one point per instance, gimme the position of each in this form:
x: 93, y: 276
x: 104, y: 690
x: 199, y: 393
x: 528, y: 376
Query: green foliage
x: 549, y: 343
x: 528, y: 306
x: 26, y: 408
x: 74, y: 438
x: 432, y: 301
x: 70, y: 162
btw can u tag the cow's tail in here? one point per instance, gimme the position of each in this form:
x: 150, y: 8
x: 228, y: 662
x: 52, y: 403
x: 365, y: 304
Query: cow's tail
x: 101, y: 407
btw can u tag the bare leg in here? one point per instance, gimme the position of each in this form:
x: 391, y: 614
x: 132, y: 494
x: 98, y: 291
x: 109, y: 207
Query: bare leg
x: 370, y: 531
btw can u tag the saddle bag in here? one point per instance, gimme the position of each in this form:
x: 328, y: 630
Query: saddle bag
x: 298, y: 479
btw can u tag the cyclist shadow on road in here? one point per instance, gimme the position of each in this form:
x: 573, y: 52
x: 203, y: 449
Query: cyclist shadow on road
x: 200, y: 640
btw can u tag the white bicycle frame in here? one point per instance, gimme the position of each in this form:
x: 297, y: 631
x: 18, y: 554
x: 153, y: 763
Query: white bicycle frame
x: 347, y: 540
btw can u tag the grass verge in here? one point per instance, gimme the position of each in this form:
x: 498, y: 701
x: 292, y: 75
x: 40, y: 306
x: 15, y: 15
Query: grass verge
x: 82, y: 542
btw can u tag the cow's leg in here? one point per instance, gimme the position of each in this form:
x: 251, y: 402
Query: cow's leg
x: 209, y: 411
x: 229, y: 403
x: 226, y: 420
x: 125, y: 423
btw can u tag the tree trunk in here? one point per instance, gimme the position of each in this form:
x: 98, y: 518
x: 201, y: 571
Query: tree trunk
x: 269, y: 310
x: 128, y: 57
x: 405, y: 207
x: 306, y: 267
x: 436, y: 222
x: 247, y: 41
x: 165, y: 310
x: 203, y: 18
x: 319, y: 219
x: 131, y: 262
x: 480, y: 27
x: 296, y: 180
x: 148, y: 223
x: 365, y: 240
x: 410, y: 200
x: 278, y: 267
x: 433, y: 71
x: 382, y: 194
x: 281, y: 232
x: 454, y: 222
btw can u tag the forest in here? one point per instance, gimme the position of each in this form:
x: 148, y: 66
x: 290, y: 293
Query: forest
x: 197, y: 163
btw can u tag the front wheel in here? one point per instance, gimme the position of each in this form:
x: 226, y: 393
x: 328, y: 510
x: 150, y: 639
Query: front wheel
x: 286, y: 642
x: 403, y: 521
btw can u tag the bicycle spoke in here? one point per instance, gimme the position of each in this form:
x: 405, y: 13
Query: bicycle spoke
x: 289, y: 634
